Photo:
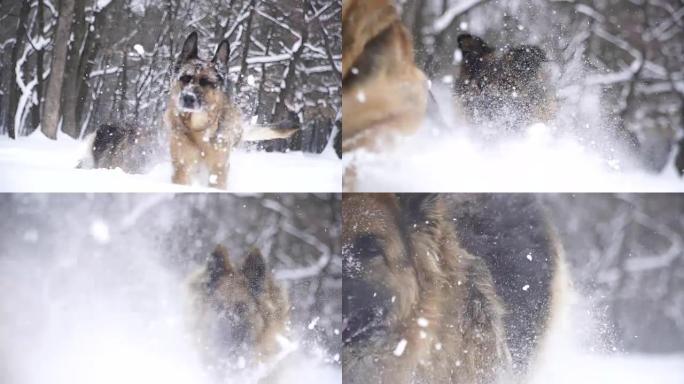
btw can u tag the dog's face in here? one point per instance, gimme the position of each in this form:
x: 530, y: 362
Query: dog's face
x: 380, y: 285
x: 197, y: 83
x: 230, y: 302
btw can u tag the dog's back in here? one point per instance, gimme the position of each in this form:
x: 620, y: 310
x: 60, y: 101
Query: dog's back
x: 125, y: 146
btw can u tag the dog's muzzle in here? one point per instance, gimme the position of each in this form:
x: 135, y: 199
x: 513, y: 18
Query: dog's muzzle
x: 189, y: 101
x: 364, y: 309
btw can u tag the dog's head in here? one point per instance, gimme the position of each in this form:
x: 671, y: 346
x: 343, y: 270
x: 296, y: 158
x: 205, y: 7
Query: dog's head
x: 197, y: 83
x: 385, y: 268
x: 235, y: 306
x: 477, y: 55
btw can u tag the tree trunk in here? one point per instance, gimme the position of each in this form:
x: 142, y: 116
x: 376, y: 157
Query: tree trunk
x: 72, y: 80
x: 245, y: 47
x: 120, y: 106
x: 13, y: 91
x: 37, y: 112
x: 287, y: 91
x: 261, y: 105
x: 51, y: 113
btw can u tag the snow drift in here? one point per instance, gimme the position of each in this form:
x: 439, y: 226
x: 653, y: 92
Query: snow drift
x: 95, y: 308
x: 37, y: 164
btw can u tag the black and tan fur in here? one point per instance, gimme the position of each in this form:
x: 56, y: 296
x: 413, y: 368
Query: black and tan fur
x: 383, y: 92
x: 128, y: 147
x: 205, y: 123
x: 237, y: 313
x: 449, y: 275
x: 509, y: 88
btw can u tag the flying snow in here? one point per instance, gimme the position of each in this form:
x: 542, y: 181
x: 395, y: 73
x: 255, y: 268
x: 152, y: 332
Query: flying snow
x: 401, y: 347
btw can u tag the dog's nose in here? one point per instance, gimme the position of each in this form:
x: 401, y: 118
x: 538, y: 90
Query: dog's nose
x: 189, y: 100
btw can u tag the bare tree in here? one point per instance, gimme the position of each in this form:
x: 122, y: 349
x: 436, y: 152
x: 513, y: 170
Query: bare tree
x: 51, y: 114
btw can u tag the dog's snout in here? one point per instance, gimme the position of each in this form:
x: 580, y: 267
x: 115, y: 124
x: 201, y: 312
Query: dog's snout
x: 189, y: 100
x: 364, y: 307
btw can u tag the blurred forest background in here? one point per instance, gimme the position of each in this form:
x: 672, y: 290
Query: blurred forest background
x: 626, y: 255
x: 297, y: 234
x: 284, y: 64
x: 629, y: 52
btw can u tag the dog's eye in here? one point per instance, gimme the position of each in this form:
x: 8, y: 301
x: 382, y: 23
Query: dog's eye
x: 206, y: 82
x: 185, y: 79
x: 367, y: 247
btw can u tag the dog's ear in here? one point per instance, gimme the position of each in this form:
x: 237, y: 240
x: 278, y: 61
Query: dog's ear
x: 472, y: 44
x: 189, y: 50
x: 418, y: 209
x: 222, y: 54
x: 254, y: 269
x: 218, y: 265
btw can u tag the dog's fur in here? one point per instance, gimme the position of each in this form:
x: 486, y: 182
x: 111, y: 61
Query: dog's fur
x: 439, y: 288
x: 128, y: 147
x: 510, y: 88
x: 205, y: 124
x: 382, y: 89
x: 237, y: 313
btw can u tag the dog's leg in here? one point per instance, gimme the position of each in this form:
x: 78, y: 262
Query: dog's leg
x: 218, y: 178
x: 181, y: 174
x: 217, y: 162
x: 184, y: 157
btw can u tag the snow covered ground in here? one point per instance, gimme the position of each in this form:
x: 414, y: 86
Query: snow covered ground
x: 104, y: 314
x: 580, y: 349
x: 573, y: 153
x: 618, y: 369
x: 534, y: 162
x: 37, y: 164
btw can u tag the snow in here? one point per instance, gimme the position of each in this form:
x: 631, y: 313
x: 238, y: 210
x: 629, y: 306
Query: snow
x: 578, y: 350
x: 442, y: 22
x: 400, y: 348
x: 79, y: 313
x: 37, y: 164
x: 100, y: 231
x: 537, y: 161
x: 587, y: 368
x: 139, y: 49
x: 455, y: 164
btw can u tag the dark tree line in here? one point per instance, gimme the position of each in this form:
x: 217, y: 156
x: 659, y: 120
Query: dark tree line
x: 113, y: 58
x: 630, y: 52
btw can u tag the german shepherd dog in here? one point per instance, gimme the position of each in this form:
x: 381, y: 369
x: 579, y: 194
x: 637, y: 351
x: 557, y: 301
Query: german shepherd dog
x: 237, y: 313
x: 382, y: 89
x: 510, y: 89
x: 205, y: 123
x: 128, y: 147
x: 445, y: 288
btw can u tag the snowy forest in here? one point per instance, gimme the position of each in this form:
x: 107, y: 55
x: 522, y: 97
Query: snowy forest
x: 284, y: 63
x: 113, y: 264
x: 626, y: 56
x: 626, y: 255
